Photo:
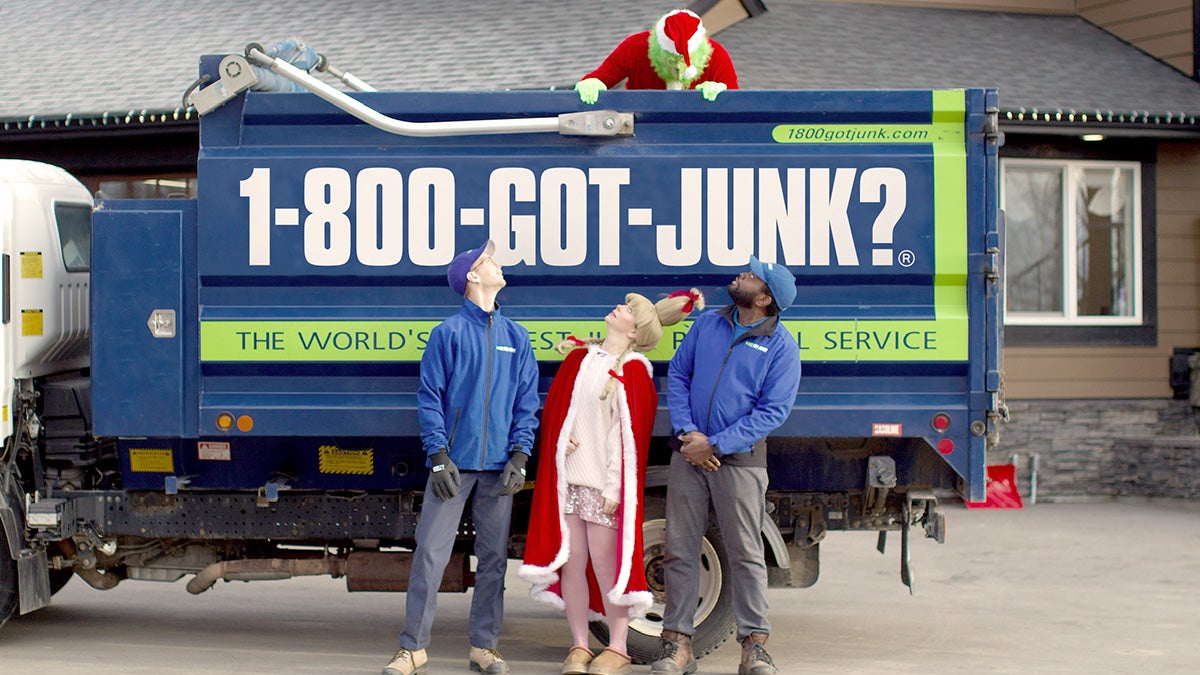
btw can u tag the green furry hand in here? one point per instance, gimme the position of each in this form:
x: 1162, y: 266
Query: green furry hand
x: 709, y: 90
x: 589, y: 89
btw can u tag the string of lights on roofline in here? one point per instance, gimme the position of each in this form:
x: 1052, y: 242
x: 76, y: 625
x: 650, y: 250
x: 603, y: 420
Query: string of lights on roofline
x: 1099, y: 116
x: 1100, y: 120
x: 104, y: 119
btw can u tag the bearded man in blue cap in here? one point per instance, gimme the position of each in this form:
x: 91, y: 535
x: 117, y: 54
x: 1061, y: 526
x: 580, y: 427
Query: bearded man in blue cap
x: 731, y: 383
x: 477, y: 404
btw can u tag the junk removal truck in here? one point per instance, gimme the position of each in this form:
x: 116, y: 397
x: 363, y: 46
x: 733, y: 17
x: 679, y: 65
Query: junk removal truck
x: 224, y: 387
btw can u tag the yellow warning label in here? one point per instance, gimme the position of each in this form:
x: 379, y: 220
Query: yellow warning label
x: 5, y: 418
x: 151, y: 460
x: 31, y: 264
x: 332, y: 459
x: 31, y: 322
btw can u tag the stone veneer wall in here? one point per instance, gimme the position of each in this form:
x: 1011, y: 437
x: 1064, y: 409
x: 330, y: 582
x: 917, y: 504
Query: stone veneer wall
x: 1090, y: 449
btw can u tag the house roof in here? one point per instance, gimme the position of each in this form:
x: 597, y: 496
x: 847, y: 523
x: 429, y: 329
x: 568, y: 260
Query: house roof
x: 132, y: 61
x: 1040, y: 64
x: 117, y: 56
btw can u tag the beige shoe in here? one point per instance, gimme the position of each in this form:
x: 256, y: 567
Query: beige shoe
x: 577, y: 661
x: 755, y: 659
x: 407, y: 662
x: 487, y: 661
x: 674, y: 655
x: 610, y: 663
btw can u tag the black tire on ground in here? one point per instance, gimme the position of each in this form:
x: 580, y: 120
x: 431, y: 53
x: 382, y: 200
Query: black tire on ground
x: 714, y: 621
x: 8, y: 581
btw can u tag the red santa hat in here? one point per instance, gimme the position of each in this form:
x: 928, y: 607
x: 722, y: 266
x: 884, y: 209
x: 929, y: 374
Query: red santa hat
x: 681, y: 32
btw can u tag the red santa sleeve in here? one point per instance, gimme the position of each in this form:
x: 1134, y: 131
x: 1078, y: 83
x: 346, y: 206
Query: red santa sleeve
x: 621, y: 62
x: 720, y: 68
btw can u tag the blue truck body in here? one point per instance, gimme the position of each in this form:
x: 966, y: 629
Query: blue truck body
x: 255, y: 351
x: 308, y: 272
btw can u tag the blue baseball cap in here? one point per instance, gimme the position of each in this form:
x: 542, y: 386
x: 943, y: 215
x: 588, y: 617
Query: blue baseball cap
x: 462, y: 263
x: 780, y: 281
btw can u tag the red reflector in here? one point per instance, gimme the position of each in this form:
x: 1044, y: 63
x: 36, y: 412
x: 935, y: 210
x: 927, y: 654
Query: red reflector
x: 940, y: 422
x: 945, y: 446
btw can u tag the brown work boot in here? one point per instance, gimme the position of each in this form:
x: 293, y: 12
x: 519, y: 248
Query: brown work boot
x: 674, y: 655
x: 487, y: 661
x: 610, y: 662
x: 755, y: 659
x: 407, y: 662
x: 577, y: 661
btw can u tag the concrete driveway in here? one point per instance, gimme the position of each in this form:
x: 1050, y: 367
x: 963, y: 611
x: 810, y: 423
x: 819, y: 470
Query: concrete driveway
x: 1110, y: 587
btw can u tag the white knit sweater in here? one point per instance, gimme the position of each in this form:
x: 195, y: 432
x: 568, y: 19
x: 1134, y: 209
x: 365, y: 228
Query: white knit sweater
x: 596, y: 463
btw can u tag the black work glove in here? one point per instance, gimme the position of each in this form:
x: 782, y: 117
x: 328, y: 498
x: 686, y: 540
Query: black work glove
x: 445, y: 475
x: 513, y: 478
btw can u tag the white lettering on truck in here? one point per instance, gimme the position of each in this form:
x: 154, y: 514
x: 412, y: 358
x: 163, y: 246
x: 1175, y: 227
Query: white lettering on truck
x: 796, y: 216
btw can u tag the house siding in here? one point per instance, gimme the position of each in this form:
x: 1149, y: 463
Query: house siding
x: 1024, y: 6
x: 1133, y: 372
x: 1161, y: 28
x: 1098, y: 422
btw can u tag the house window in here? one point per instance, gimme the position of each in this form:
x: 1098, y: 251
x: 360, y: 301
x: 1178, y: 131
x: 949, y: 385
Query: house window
x: 1073, y: 248
x: 147, y: 188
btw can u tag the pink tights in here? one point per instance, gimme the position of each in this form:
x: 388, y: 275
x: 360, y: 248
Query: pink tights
x: 600, y: 543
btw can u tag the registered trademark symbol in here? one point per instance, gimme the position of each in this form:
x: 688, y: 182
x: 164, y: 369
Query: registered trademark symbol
x: 906, y: 258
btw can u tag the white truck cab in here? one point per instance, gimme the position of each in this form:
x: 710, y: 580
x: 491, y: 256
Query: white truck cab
x: 45, y: 244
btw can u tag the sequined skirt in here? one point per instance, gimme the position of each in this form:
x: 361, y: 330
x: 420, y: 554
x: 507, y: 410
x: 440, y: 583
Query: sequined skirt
x: 588, y: 504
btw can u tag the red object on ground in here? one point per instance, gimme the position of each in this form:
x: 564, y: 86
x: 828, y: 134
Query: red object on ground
x: 1001, y: 489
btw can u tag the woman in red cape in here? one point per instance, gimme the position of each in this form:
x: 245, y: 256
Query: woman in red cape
x: 583, y: 552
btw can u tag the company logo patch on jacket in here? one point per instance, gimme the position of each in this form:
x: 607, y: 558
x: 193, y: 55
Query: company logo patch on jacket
x: 506, y: 348
x: 757, y: 346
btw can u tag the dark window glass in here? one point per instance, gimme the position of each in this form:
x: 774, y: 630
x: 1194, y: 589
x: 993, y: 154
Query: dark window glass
x: 75, y: 233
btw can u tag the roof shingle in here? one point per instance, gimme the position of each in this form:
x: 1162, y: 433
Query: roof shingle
x: 119, y: 56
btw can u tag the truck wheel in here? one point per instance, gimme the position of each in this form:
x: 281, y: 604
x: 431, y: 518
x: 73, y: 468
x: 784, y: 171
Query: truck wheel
x: 8, y: 581
x: 714, y: 621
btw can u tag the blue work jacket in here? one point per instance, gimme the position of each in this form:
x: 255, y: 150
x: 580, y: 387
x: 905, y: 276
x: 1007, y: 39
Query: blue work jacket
x: 478, y: 396
x: 735, y: 393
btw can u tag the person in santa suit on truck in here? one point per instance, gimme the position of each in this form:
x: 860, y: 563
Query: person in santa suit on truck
x: 584, y: 545
x: 676, y: 54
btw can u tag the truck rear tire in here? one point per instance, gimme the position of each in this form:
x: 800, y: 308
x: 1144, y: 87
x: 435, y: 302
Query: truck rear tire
x: 714, y: 621
x: 8, y: 581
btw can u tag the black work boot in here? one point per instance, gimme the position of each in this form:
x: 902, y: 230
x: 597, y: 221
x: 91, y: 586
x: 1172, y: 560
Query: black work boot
x: 755, y: 659
x: 674, y: 655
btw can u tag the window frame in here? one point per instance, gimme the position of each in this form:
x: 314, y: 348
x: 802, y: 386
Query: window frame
x: 1112, y: 331
x: 1069, y: 315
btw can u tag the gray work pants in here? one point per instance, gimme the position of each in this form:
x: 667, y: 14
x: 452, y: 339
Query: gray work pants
x: 738, y: 497
x: 436, y: 531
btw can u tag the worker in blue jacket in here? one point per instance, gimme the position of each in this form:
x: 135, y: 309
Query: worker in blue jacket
x: 731, y: 383
x: 477, y: 404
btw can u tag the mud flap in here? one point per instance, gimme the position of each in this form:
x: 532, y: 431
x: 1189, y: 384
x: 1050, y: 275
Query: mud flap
x: 33, y: 577
x: 805, y: 565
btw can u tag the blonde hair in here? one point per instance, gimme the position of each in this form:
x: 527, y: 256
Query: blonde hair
x: 649, y: 319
